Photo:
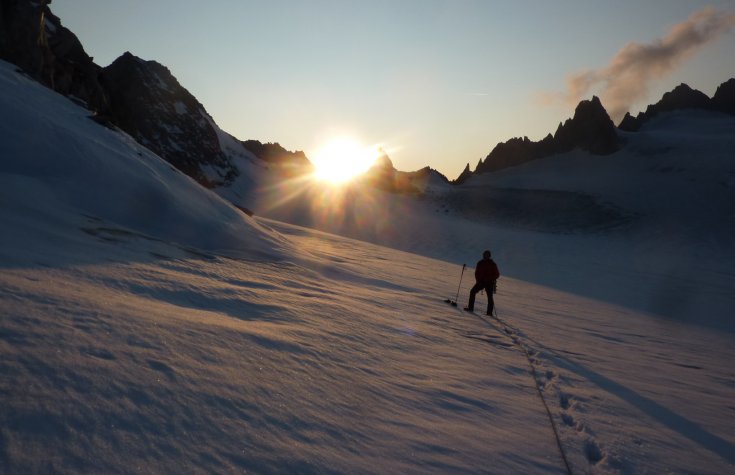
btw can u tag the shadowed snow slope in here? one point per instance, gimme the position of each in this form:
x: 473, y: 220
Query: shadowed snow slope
x: 59, y: 169
x: 650, y: 227
x: 148, y: 327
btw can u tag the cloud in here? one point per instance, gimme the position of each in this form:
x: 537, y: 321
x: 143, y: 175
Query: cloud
x: 626, y: 78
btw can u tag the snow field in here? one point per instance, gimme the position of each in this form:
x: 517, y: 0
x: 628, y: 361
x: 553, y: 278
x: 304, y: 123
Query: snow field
x: 220, y: 364
x: 148, y: 326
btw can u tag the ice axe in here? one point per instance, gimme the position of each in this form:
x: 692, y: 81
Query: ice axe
x: 451, y: 302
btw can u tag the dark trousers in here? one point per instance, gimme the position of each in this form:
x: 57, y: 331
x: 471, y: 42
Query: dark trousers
x: 488, y: 288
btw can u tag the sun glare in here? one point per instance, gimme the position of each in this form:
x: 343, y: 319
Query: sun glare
x: 343, y: 159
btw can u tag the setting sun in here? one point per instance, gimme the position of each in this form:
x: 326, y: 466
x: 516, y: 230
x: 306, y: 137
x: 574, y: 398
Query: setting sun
x: 343, y: 159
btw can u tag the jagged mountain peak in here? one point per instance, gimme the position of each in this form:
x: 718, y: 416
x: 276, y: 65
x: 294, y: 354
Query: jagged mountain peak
x: 148, y: 102
x: 590, y: 129
x: 682, y: 96
x: 466, y: 173
x: 724, y: 98
x: 383, y: 161
x: 679, y: 98
x: 155, y: 74
x: 590, y: 109
x: 51, y: 54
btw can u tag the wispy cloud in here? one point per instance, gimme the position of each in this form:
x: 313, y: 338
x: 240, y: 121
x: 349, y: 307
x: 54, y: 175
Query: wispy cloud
x: 629, y: 73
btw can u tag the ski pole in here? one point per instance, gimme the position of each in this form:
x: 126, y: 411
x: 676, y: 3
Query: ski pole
x: 460, y: 284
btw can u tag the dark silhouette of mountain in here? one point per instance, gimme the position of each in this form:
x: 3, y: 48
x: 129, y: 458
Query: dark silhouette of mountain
x: 384, y: 176
x: 32, y: 38
x: 680, y: 98
x: 141, y: 97
x: 424, y: 177
x: 148, y: 102
x: 466, y: 173
x: 145, y: 99
x: 724, y: 98
x: 515, y: 152
x: 290, y: 163
x: 590, y: 129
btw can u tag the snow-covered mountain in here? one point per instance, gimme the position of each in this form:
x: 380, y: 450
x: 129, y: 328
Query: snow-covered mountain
x: 64, y: 174
x: 147, y: 325
x: 590, y: 129
x: 683, y: 97
x: 143, y: 98
x: 148, y: 102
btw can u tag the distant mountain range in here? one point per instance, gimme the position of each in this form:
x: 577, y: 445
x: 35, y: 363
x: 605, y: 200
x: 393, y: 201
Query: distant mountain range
x: 145, y: 100
x: 592, y: 130
x: 684, y: 97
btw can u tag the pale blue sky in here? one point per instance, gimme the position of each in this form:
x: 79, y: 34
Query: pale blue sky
x: 438, y: 82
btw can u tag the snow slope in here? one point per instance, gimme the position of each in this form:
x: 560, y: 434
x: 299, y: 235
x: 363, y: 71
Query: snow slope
x: 61, y: 170
x: 663, y: 207
x: 146, y: 326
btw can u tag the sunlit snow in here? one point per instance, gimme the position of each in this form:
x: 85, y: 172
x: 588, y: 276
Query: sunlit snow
x: 146, y: 325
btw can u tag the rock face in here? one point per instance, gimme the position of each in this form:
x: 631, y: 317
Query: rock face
x: 590, y: 129
x: 140, y: 97
x: 515, y: 152
x: 384, y: 176
x: 466, y: 173
x: 424, y: 178
x: 289, y: 163
x: 33, y: 38
x: 681, y: 97
x: 148, y: 102
x: 724, y: 98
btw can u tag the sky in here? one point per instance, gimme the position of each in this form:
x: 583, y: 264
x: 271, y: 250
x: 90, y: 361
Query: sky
x: 434, y: 82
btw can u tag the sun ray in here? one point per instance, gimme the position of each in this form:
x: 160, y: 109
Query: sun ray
x: 342, y: 159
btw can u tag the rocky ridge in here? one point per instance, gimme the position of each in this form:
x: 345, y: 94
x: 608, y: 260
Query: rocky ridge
x: 148, y: 102
x: 144, y: 99
x: 33, y: 38
x: 590, y: 129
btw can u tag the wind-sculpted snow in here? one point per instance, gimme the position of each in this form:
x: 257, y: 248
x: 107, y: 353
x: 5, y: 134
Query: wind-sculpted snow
x: 60, y: 169
x: 342, y: 359
x: 332, y: 362
x: 147, y: 326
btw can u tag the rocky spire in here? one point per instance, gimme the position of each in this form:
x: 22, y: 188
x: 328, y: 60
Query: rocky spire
x: 148, y: 102
x: 466, y: 173
x: 681, y: 97
x: 724, y: 98
x: 590, y: 129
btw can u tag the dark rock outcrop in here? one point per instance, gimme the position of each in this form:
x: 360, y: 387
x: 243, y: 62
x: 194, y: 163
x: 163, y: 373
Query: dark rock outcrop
x: 148, y: 102
x: 724, y: 98
x: 590, y: 129
x: 680, y: 98
x: 384, y: 176
x: 33, y: 38
x: 515, y: 152
x: 423, y: 178
x: 140, y: 97
x: 466, y: 173
x: 290, y: 163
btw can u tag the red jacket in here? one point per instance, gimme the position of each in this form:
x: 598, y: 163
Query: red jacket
x: 486, y: 271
